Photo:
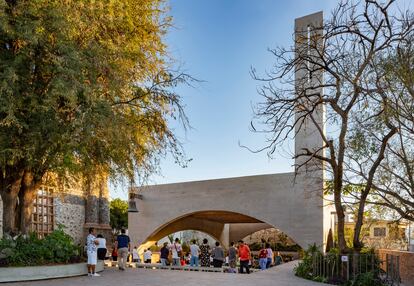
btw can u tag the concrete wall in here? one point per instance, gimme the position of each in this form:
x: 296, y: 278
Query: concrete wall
x: 239, y: 231
x: 310, y: 174
x: 272, y: 199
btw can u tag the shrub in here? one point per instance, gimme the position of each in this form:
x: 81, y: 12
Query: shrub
x: 366, y: 279
x: 56, y: 248
x: 330, y: 262
x: 275, y: 246
x: 304, y: 268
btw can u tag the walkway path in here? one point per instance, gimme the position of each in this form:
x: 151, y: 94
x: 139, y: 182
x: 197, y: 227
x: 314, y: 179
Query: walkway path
x: 277, y: 276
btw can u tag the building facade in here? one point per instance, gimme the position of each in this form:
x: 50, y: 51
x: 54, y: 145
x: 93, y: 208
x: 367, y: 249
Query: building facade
x: 76, y: 204
x: 379, y: 233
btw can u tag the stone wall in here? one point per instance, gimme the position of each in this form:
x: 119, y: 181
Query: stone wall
x: 406, y: 264
x: 70, y: 212
x: 83, y: 205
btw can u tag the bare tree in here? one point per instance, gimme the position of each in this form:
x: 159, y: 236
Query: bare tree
x: 347, y: 49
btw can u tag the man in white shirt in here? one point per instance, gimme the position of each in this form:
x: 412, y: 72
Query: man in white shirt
x: 176, y: 251
x: 195, y: 250
x: 91, y: 249
x: 147, y: 256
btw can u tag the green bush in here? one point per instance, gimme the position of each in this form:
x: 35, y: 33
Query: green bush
x: 56, y: 248
x: 304, y: 268
x: 365, y: 279
x: 368, y: 258
x: 256, y: 246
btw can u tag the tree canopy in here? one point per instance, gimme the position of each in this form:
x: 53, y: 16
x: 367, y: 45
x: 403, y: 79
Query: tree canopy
x: 118, y: 214
x: 84, y: 86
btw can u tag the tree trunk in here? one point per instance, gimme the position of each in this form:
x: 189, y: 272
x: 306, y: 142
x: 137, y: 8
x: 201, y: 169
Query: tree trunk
x: 9, y: 195
x: 9, y: 212
x: 26, y: 210
x: 341, y: 227
x: 26, y: 197
x: 340, y: 213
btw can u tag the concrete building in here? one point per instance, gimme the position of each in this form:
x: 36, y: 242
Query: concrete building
x: 73, y: 203
x: 230, y: 209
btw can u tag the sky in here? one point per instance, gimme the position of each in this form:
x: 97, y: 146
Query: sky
x: 217, y: 42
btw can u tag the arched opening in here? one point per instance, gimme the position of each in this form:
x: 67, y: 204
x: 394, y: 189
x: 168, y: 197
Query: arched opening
x: 279, y: 242
x: 185, y: 238
x: 223, y: 226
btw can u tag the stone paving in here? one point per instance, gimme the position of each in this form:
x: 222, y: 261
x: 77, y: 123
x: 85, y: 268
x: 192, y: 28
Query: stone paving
x: 277, y: 276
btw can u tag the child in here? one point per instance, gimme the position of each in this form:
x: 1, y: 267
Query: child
x: 114, y: 254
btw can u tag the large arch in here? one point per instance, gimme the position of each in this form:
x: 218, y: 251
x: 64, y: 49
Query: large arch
x: 222, y: 225
x: 229, y: 206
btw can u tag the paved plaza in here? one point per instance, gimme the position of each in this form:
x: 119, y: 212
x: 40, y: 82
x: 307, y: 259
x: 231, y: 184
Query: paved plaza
x: 277, y: 276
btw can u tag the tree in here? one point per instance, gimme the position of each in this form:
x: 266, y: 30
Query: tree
x: 85, y: 88
x: 347, y: 49
x: 118, y: 214
x: 394, y: 184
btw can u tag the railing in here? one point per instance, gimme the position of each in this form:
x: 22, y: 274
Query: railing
x: 338, y: 269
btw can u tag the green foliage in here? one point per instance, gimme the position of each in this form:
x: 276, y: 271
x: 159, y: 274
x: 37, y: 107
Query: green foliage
x: 118, y: 214
x: 320, y: 279
x: 171, y: 238
x: 275, y: 246
x: 85, y: 88
x: 56, y: 248
x: 365, y: 279
x: 331, y: 261
x: 304, y: 268
x: 185, y: 247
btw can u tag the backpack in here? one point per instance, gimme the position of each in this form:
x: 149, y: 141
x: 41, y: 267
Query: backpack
x: 263, y: 253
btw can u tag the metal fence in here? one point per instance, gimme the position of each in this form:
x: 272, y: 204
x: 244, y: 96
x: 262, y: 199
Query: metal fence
x: 391, y: 266
x: 338, y: 269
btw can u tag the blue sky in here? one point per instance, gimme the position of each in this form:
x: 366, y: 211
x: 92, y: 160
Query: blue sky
x: 217, y: 41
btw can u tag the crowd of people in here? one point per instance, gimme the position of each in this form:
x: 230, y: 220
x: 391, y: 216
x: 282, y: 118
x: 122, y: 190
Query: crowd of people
x: 198, y: 255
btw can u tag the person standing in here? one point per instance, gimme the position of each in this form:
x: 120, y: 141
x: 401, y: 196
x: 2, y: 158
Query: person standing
x: 101, y: 247
x: 123, y: 245
x: 244, y: 255
x: 91, y: 250
x: 114, y: 254
x: 176, y: 251
x: 269, y: 255
x: 164, y: 254
x: 218, y: 255
x: 147, y: 255
x: 135, y: 255
x: 263, y: 258
x: 195, y: 253
x: 205, y: 253
x: 232, y: 255
x: 278, y: 258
